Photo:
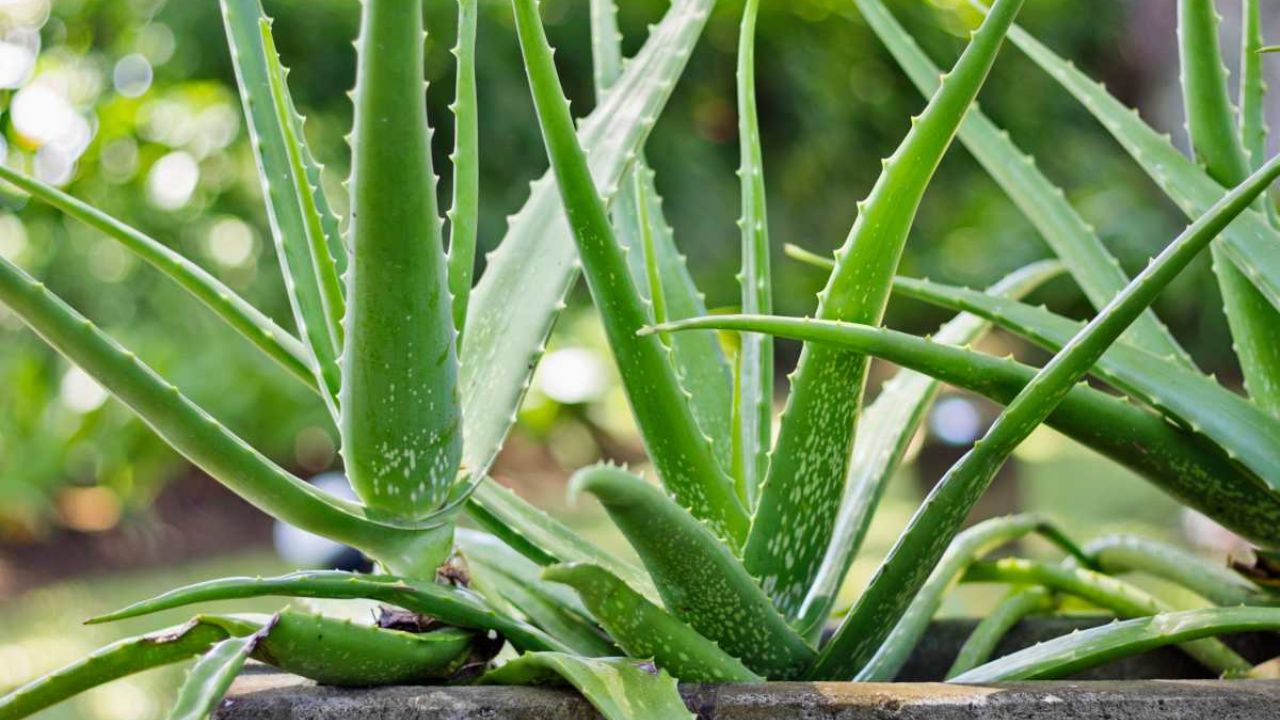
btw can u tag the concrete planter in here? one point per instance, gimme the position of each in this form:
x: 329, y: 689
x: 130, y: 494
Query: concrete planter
x: 1125, y: 689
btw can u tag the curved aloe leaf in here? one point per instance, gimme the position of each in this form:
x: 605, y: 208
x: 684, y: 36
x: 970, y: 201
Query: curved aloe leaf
x: 241, y: 20
x: 938, y: 519
x: 619, y: 688
x: 889, y: 423
x: 1253, y: 122
x: 801, y: 496
x: 516, y: 301
x: 497, y: 570
x: 964, y: 551
x: 1071, y: 238
x: 452, y: 605
x: 543, y: 539
x: 1084, y: 649
x: 1254, y: 323
x: 657, y: 267
x: 981, y: 643
x: 274, y: 341
x: 401, y: 418
x: 645, y: 630
x: 1123, y: 599
x: 464, y: 214
x: 200, y: 438
x: 1249, y: 435
x: 700, y: 580
x: 208, y: 681
x: 117, y: 660
x: 1183, y: 464
x: 1249, y: 242
x: 681, y: 453
x: 1115, y: 554
x: 753, y: 399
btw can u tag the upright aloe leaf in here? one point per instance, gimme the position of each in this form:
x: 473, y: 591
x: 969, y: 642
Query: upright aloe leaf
x: 401, y: 420
x: 209, y: 680
x: 1070, y: 236
x: 753, y: 399
x: 889, y: 424
x: 1254, y: 322
x: 938, y: 519
x: 619, y: 688
x: 200, y: 438
x: 526, y: 279
x: 119, y: 659
x: 1249, y: 242
x: 241, y: 19
x: 681, y: 453
x: 465, y: 212
x: 1253, y: 123
x: 801, y: 496
x: 276, y: 342
x: 1070, y: 654
x: 700, y: 580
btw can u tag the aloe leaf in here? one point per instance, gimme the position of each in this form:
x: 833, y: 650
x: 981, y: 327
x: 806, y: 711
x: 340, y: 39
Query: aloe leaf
x: 681, y: 453
x: 963, y: 552
x: 117, y: 660
x: 1125, y: 600
x: 288, y: 221
x: 1087, y: 648
x: 619, y: 688
x: 1249, y: 242
x: 1189, y: 467
x: 321, y: 262
x: 1248, y: 434
x: 657, y: 267
x: 522, y: 290
x: 1070, y: 237
x: 200, y: 438
x: 981, y: 643
x: 208, y: 681
x: 645, y: 630
x: 889, y: 424
x: 1254, y: 323
x: 1253, y: 88
x: 1115, y: 554
x: 497, y: 570
x: 938, y: 519
x: 465, y: 211
x: 274, y: 341
x: 452, y: 605
x: 700, y: 580
x: 801, y: 496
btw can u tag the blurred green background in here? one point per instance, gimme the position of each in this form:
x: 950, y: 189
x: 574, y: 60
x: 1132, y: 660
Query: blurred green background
x: 131, y: 104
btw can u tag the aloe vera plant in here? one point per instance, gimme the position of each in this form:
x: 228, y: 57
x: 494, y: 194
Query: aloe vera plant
x: 745, y: 540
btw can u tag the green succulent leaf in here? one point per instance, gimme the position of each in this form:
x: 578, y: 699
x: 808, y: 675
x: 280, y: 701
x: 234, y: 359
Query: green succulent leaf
x: 452, y: 605
x: 1254, y: 322
x: 800, y: 498
x: 464, y: 214
x: 249, y: 55
x: 1085, y: 649
x: 208, y: 681
x: 968, y: 547
x: 700, y: 580
x: 981, y: 643
x: 645, y: 630
x: 680, y: 451
x: 1116, y: 554
x: 1253, y: 122
x: 275, y: 342
x: 526, y: 279
x: 1044, y: 204
x: 119, y: 659
x: 621, y: 689
x: 1178, y: 461
x: 939, y: 518
x: 889, y: 424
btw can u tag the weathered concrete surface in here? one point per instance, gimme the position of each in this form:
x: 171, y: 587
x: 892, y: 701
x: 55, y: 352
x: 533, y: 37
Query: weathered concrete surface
x: 271, y: 696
